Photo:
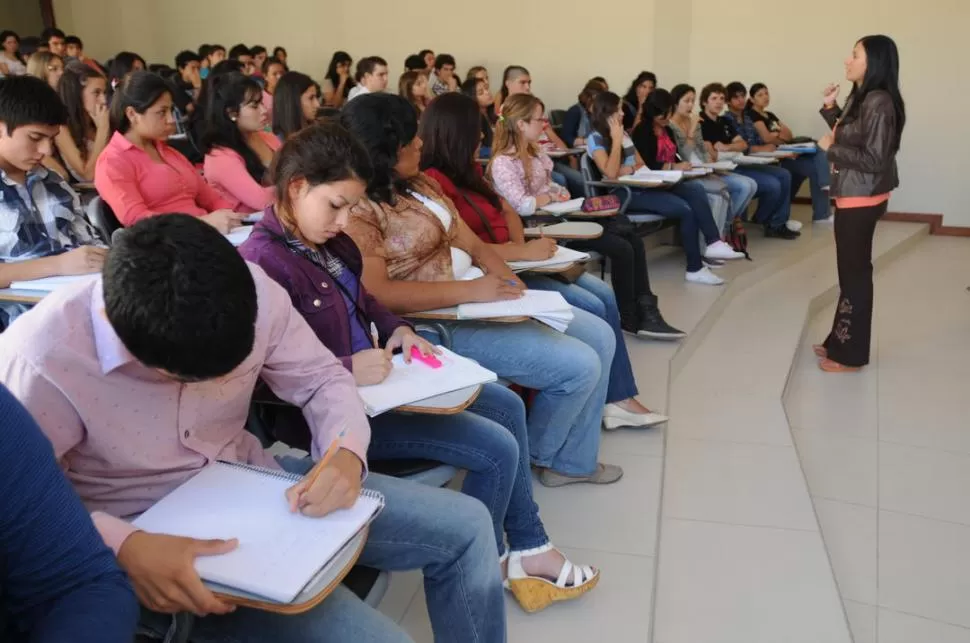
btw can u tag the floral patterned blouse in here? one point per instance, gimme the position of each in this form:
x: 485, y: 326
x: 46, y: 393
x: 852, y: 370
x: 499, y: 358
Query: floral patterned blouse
x: 508, y: 175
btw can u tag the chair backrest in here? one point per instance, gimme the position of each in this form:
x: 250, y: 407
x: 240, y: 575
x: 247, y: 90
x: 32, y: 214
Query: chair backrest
x: 557, y: 117
x: 102, y: 218
x: 590, y: 173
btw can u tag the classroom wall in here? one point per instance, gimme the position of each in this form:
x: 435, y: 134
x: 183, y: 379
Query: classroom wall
x: 21, y: 16
x: 792, y: 47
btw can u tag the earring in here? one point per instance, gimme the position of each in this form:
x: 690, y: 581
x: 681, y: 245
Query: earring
x: 232, y: 118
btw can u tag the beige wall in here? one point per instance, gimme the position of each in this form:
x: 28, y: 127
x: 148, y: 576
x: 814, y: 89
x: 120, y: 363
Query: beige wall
x: 795, y: 48
x: 22, y: 16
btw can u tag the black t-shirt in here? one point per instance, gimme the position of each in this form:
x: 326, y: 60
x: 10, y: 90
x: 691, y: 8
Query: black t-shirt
x: 719, y: 130
x: 768, y: 118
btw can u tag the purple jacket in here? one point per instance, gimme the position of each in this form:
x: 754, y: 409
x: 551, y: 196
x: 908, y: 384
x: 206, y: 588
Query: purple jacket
x: 312, y: 290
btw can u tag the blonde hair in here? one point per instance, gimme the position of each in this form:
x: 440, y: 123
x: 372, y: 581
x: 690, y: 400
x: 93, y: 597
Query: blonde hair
x: 38, y: 63
x: 406, y: 85
x: 508, y: 140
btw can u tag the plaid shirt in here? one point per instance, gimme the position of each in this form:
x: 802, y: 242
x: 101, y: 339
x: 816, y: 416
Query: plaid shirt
x: 745, y: 127
x: 41, y: 218
x: 437, y: 86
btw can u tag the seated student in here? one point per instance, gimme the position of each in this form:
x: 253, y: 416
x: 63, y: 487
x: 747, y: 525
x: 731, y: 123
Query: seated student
x: 211, y: 56
x: 46, y: 66
x: 60, y: 582
x: 139, y: 175
x: 321, y: 172
x: 635, y: 97
x: 29, y: 45
x: 773, y: 131
x: 11, y: 64
x: 272, y: 71
x: 189, y: 66
x: 371, y: 76
x: 477, y: 89
x: 186, y: 397
x: 448, y: 156
x: 337, y: 82
x: 47, y: 233
x: 83, y: 92
x: 774, y: 183
x: 279, y: 53
x: 685, y: 125
x: 576, y: 126
x: 414, y: 62
x: 615, y: 155
x: 415, y: 250
x: 54, y: 38
x: 428, y: 56
x: 443, y: 79
x: 295, y: 103
x: 259, y: 55
x: 521, y: 175
x: 478, y: 73
x: 242, y: 53
x: 413, y: 87
x: 237, y: 147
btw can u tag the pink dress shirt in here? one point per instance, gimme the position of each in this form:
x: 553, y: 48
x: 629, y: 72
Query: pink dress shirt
x: 136, y: 187
x: 268, y: 104
x: 225, y: 170
x: 127, y: 435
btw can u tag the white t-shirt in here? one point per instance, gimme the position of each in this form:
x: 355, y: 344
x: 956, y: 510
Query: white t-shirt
x: 461, y: 261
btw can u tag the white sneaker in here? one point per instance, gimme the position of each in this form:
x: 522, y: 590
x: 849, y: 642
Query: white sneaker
x: 704, y: 276
x: 793, y: 225
x: 829, y: 221
x: 615, y: 417
x: 721, y: 250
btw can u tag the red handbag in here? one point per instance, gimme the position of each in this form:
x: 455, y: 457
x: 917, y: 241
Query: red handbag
x: 601, y: 203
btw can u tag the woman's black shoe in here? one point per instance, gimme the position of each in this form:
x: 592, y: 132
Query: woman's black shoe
x: 781, y: 232
x: 652, y: 323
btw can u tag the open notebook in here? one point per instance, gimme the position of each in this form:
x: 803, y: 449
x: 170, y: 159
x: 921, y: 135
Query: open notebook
x: 282, y: 557
x: 746, y: 159
x: 239, y: 235
x: 414, y: 382
x: 719, y: 165
x: 50, y: 284
x: 546, y: 306
x: 649, y: 176
x: 563, y: 207
x: 563, y: 256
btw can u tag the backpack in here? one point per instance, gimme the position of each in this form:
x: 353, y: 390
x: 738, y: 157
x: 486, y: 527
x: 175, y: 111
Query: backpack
x: 737, y: 237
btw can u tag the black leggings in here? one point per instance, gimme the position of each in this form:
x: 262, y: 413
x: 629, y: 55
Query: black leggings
x: 628, y: 266
x: 848, y: 342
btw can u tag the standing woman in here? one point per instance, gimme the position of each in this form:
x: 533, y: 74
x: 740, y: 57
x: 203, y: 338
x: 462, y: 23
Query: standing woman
x: 862, y: 149
x: 337, y: 82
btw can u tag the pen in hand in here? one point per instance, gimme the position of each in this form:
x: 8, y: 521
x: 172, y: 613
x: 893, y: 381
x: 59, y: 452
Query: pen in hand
x: 374, y: 335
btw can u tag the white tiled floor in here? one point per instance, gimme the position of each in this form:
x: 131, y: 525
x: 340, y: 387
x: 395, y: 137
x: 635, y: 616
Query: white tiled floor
x: 886, y: 453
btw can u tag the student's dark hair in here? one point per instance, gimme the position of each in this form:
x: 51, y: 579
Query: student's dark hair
x: 470, y: 88
x: 28, y: 46
x: 71, y: 90
x: 239, y: 50
x: 599, y: 79
x: 384, y: 123
x: 140, y: 90
x: 122, y: 65
x: 414, y: 62
x: 51, y: 32
x: 71, y: 40
x: 443, y: 59
x: 709, y: 90
x: 226, y: 66
x: 26, y: 100
x: 512, y: 71
x: 6, y: 33
x: 327, y: 114
x: 679, y: 91
x: 882, y: 74
x: 256, y: 50
x: 214, y: 48
x: 185, y: 57
x: 367, y: 66
x: 277, y: 49
x: 180, y: 297
x: 658, y: 104
x: 735, y: 89
x: 339, y: 58
x: 593, y: 87
x: 450, y: 134
x: 287, y: 110
x: 642, y: 77
x: 322, y: 153
x: 204, y: 50
x: 757, y: 87
x: 425, y: 52
x: 405, y: 88
x: 227, y: 95
x: 269, y: 62
x: 605, y: 104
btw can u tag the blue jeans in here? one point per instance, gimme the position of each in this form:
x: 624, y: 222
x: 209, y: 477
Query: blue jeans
x: 815, y: 168
x: 569, y: 178
x: 686, y: 201
x: 742, y: 190
x: 774, y: 193
x: 490, y: 441
x: 594, y: 296
x: 446, y: 534
x: 570, y: 372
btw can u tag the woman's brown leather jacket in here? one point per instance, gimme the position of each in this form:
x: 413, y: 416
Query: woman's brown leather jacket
x: 863, y: 156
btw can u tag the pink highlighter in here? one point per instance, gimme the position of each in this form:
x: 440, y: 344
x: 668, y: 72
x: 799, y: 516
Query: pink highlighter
x: 430, y: 360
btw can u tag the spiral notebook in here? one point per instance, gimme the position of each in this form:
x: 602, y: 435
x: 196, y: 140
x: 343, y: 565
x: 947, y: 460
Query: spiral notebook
x: 282, y: 557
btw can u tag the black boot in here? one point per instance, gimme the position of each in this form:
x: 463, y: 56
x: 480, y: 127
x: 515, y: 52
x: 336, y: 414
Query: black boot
x: 652, y: 323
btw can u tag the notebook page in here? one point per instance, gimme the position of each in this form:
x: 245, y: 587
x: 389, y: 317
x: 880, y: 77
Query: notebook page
x: 564, y: 207
x: 49, y: 284
x: 278, y: 553
x: 239, y: 235
x: 563, y: 255
x: 532, y: 302
x: 408, y: 383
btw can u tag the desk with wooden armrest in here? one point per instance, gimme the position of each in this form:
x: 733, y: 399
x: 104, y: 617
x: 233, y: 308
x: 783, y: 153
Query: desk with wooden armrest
x: 17, y: 296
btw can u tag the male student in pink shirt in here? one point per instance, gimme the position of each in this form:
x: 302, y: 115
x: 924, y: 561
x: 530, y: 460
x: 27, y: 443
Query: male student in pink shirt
x: 142, y: 377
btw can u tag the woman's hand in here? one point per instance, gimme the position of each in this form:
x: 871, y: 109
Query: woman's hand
x: 543, y: 199
x: 100, y: 117
x: 616, y: 127
x: 826, y: 142
x: 493, y: 287
x: 370, y: 366
x: 831, y: 94
x: 405, y: 338
x: 224, y: 220
x: 539, y: 249
x: 682, y: 166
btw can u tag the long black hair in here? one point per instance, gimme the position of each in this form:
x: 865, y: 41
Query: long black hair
x: 450, y: 131
x: 384, y: 123
x: 642, y: 77
x: 227, y: 95
x: 882, y: 74
x: 71, y: 90
x: 122, y: 65
x: 287, y: 108
x: 339, y: 58
x: 140, y: 90
x: 604, y: 105
x: 6, y: 33
x: 658, y: 103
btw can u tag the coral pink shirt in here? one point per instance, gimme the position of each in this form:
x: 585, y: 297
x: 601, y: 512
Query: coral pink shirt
x: 136, y: 187
x: 846, y: 202
x: 225, y: 170
x: 268, y: 104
